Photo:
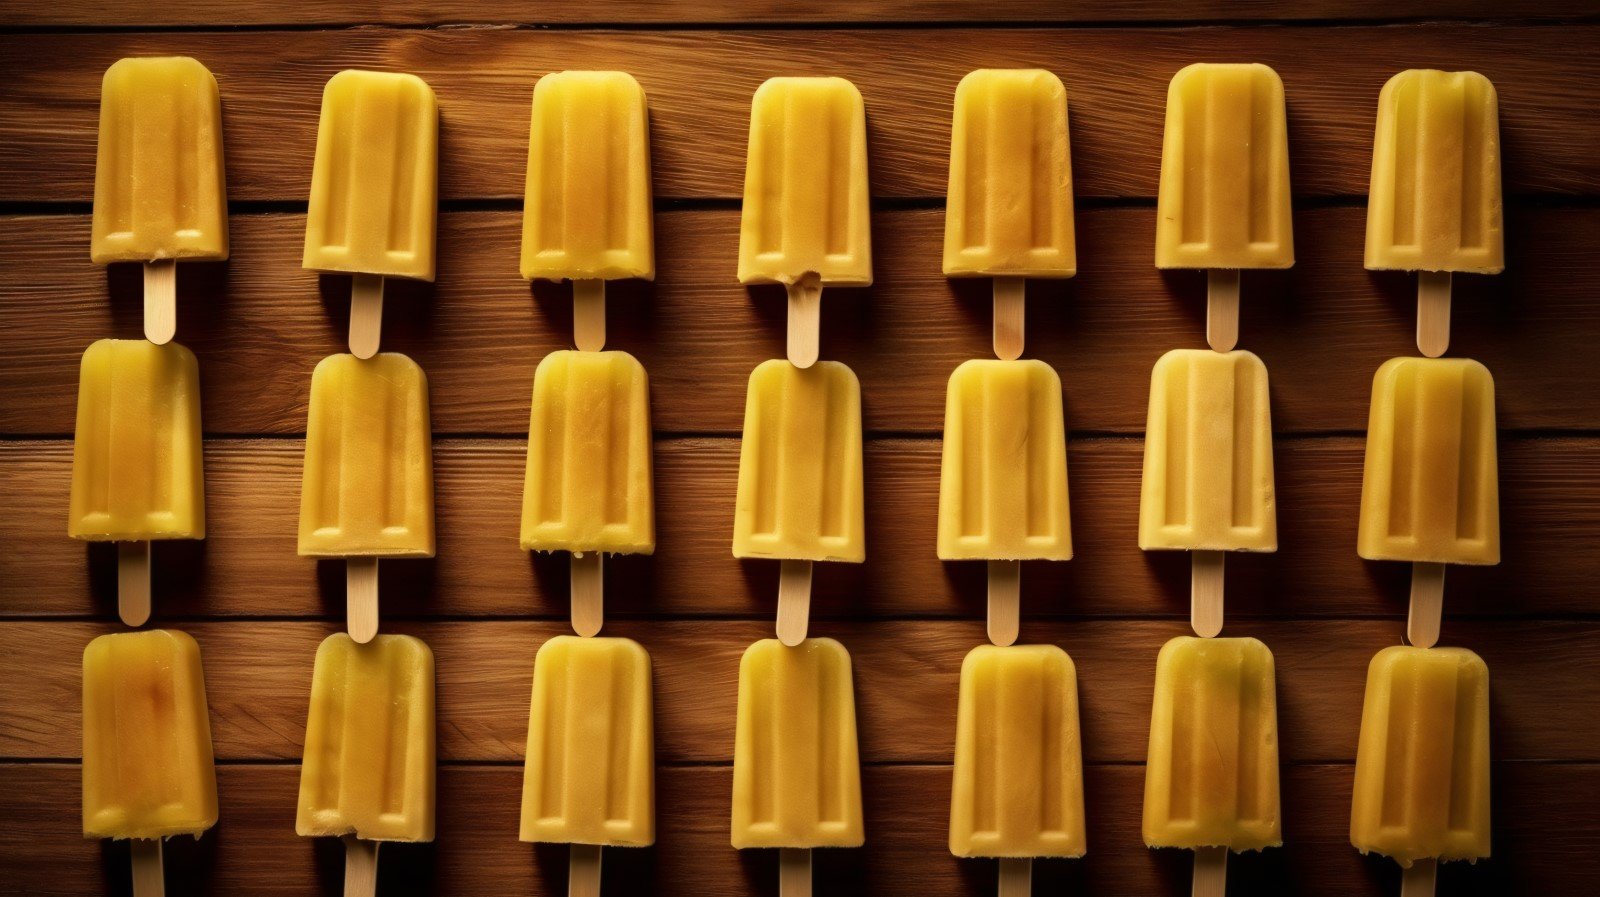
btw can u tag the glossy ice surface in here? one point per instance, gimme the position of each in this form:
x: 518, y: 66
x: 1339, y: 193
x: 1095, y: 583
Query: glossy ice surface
x: 1019, y: 763
x: 369, y: 757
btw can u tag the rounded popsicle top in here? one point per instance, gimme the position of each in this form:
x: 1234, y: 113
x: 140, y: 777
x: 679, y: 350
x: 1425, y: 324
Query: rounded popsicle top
x: 1053, y: 655
x: 1395, y: 658
x: 169, y: 646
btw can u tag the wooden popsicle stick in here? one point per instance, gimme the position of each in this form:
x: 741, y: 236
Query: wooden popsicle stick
x: 589, y: 315
x: 1418, y: 881
x: 1010, y: 312
x: 366, y: 315
x: 1205, y: 592
x: 583, y: 871
x: 588, y: 596
x: 160, y: 300
x: 360, y: 867
x: 1016, y: 877
x: 1005, y: 601
x: 1427, y: 604
x: 794, y: 872
x: 1433, y: 312
x: 133, y: 582
x: 794, y: 608
x: 361, y: 598
x: 1210, y: 872
x: 1222, y: 309
x: 149, y: 880
x: 805, y: 320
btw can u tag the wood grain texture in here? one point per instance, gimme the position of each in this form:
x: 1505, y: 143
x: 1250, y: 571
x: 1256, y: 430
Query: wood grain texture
x: 147, y: 13
x: 260, y: 323
x: 254, y: 850
x: 1550, y: 511
x: 700, y: 84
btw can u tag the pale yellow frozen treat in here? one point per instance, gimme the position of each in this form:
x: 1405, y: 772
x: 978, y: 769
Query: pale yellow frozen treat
x: 800, y: 484
x: 1019, y: 764
x: 368, y: 485
x: 374, y: 186
x: 368, y: 769
x: 1422, y: 767
x: 590, y: 773
x: 1003, y: 485
x: 1208, y: 482
x: 1009, y: 206
x: 159, y: 185
x: 1431, y: 492
x: 1434, y: 204
x: 136, y: 465
x: 796, y: 775
x: 586, y: 212
x: 805, y: 185
x: 1224, y: 195
x: 147, y: 767
x: 587, y: 483
x: 1212, y: 775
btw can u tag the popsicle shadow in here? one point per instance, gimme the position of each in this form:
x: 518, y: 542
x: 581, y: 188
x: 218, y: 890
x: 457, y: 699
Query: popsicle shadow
x: 202, y: 294
x: 405, y: 586
x: 407, y: 311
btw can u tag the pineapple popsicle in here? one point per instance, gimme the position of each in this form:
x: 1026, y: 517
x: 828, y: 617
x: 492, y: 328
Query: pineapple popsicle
x: 1211, y: 783
x: 800, y: 494
x: 1003, y: 479
x: 368, y: 770
x: 587, y: 211
x: 796, y: 774
x: 806, y: 221
x: 1223, y: 203
x: 367, y: 491
x: 1018, y: 789
x: 1208, y: 479
x: 159, y: 182
x: 1430, y: 493
x: 136, y: 458
x: 374, y: 190
x: 1422, y: 765
x: 1434, y: 205
x: 590, y: 774
x: 588, y: 483
x: 147, y: 766
x: 1009, y: 209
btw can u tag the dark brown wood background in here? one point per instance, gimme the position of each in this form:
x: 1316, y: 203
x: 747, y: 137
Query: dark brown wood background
x: 259, y: 324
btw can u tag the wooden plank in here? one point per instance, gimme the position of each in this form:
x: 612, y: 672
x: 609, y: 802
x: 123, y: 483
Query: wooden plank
x: 700, y: 84
x: 1550, y: 510
x: 258, y: 677
x: 254, y: 850
x: 632, y: 13
x: 259, y: 328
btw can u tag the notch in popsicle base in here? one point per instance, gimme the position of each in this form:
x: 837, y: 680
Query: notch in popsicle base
x: 366, y: 315
x: 1005, y: 601
x: 1433, y: 312
x: 1210, y: 872
x: 583, y: 870
x: 588, y: 594
x: 794, y: 872
x: 149, y: 879
x: 360, y: 867
x: 160, y: 300
x: 805, y: 320
x: 1222, y: 309
x: 794, y: 604
x: 1010, y: 312
x: 361, y: 598
x: 133, y: 582
x: 1427, y: 605
x: 1205, y: 592
x: 589, y: 315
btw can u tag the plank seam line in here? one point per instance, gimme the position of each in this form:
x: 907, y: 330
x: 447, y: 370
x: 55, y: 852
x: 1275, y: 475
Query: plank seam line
x: 1574, y: 617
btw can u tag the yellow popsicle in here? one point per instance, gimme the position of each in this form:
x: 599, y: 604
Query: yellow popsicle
x: 136, y: 457
x: 796, y: 775
x: 374, y: 185
x: 1212, y: 775
x: 1224, y: 192
x: 805, y: 185
x: 1003, y: 484
x: 147, y: 767
x: 1434, y: 204
x: 1019, y: 765
x: 587, y: 213
x: 1009, y: 207
x: 368, y: 769
x: 368, y: 485
x: 590, y: 774
x: 1422, y: 766
x: 587, y: 485
x: 159, y: 184
x: 1208, y: 482
x: 800, y: 485
x: 1431, y: 490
